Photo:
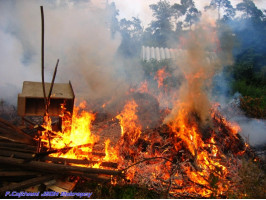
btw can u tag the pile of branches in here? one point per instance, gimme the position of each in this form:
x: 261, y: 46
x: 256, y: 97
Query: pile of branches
x: 163, y: 161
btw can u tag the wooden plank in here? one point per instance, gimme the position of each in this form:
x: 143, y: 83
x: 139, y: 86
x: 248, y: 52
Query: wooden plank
x: 57, y: 189
x: 34, y: 90
x: 67, y: 185
x: 27, y: 183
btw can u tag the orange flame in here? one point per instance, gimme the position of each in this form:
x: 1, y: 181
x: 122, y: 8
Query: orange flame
x: 75, y: 133
x: 129, y: 121
x: 160, y: 76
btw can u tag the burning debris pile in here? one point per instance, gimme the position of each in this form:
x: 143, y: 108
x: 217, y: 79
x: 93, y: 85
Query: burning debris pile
x: 178, y: 144
x: 183, y: 158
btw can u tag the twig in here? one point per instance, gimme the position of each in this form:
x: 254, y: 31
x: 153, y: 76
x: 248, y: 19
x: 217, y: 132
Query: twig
x: 146, y: 159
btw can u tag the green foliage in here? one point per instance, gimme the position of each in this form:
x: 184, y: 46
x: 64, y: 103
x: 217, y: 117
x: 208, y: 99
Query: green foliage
x: 222, y: 6
x: 161, y: 27
x: 249, y: 79
x: 152, y: 66
x: 249, y: 10
x: 188, y: 9
x: 253, y: 101
x: 131, y: 31
x: 254, y: 107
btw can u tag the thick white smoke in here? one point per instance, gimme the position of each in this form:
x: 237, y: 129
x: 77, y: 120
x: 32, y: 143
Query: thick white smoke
x: 77, y: 34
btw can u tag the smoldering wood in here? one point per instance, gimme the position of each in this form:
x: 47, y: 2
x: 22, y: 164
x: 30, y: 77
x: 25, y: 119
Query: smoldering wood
x: 55, y: 168
x: 27, y: 183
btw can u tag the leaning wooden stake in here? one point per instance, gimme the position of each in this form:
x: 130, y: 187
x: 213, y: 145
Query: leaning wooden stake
x: 52, y: 84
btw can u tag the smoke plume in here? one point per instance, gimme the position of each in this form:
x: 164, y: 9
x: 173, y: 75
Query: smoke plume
x: 202, y: 59
x: 75, y: 33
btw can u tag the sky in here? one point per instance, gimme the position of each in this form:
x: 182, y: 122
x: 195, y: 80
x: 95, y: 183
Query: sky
x: 140, y: 8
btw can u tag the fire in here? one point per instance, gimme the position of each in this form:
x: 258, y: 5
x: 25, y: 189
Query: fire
x: 75, y: 135
x: 129, y: 122
x: 110, y: 152
x: 190, y: 153
x: 160, y: 76
x: 143, y: 87
x: 206, y: 154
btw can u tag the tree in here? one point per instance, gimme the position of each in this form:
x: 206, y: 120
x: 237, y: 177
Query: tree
x: 178, y: 10
x: 186, y: 8
x: 161, y: 27
x: 192, y: 13
x: 250, y: 10
x: 132, y: 28
x: 112, y: 14
x: 131, y: 32
x: 224, y: 6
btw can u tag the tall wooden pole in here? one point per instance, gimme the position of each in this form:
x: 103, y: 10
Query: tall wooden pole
x: 43, y: 84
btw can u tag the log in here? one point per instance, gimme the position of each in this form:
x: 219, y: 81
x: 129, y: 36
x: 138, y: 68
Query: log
x: 98, y: 178
x: 56, y: 168
x: 28, y: 156
x: 16, y: 149
x: 19, y: 146
x: 27, y: 183
x: 63, y: 150
x: 17, y: 173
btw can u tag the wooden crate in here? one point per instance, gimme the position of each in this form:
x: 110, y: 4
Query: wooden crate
x: 31, y: 102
